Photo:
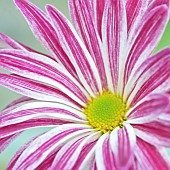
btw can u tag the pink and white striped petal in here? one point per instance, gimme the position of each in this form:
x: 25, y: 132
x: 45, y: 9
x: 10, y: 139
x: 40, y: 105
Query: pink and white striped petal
x: 155, y: 133
x: 103, y: 154
x: 116, y: 151
x: 13, y: 129
x: 148, y: 109
x: 36, y: 67
x: 36, y: 90
x: 98, y: 8
x: 68, y: 156
x: 4, y: 142
x: 42, y: 110
x: 44, y: 32
x: 77, y: 52
x: 82, y: 16
x: 146, y: 37
x: 123, y: 143
x: 149, y: 157
x: 49, y: 142
x: 149, y: 77
x: 114, y: 35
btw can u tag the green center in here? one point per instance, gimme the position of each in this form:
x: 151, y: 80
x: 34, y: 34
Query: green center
x: 106, y: 112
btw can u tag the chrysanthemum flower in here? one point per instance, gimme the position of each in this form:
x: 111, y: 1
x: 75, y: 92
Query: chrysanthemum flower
x: 99, y: 89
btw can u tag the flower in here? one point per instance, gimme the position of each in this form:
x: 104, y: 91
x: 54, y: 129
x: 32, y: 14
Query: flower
x: 104, y: 96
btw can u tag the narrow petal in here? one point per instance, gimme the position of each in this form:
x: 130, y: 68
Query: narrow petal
x: 77, y: 52
x: 82, y: 16
x: 98, y: 7
x: 34, y: 89
x: 69, y: 154
x: 44, y: 32
x: 103, y: 155
x: 48, y: 143
x: 32, y: 110
x: 151, y: 74
x: 123, y: 142
x: 147, y: 109
x: 146, y: 38
x: 12, y: 129
x: 155, y: 133
x: 4, y: 142
x: 34, y: 66
x: 114, y: 34
x: 149, y: 157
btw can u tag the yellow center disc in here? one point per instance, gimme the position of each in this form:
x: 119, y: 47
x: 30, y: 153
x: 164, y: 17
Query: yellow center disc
x: 106, y: 112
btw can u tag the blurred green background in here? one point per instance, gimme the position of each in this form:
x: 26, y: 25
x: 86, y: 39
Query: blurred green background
x: 13, y: 24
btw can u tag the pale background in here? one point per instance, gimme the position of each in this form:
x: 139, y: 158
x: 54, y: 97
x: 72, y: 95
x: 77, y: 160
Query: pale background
x: 13, y: 24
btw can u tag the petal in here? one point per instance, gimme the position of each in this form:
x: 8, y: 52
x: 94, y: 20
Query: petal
x: 123, y: 142
x: 44, y: 32
x: 146, y: 38
x: 77, y: 52
x: 48, y: 143
x: 4, y: 142
x: 149, y: 157
x: 82, y: 16
x: 98, y: 7
x: 35, y: 90
x: 104, y: 157
x: 147, y: 109
x: 32, y: 110
x: 114, y: 34
x: 69, y: 154
x: 36, y: 67
x: 155, y: 133
x: 149, y: 77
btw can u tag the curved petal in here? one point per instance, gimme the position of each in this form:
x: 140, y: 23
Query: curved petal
x: 151, y: 74
x: 4, y: 142
x: 44, y: 32
x: 149, y: 157
x: 123, y: 142
x: 114, y: 35
x: 155, y: 133
x: 77, y: 52
x: 47, y: 143
x: 82, y: 16
x: 68, y: 156
x: 36, y: 67
x: 103, y: 155
x: 148, y: 109
x: 35, y: 90
x: 32, y: 110
x: 146, y: 38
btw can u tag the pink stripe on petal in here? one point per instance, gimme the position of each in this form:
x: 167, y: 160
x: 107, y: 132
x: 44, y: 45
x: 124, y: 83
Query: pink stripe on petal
x: 147, y: 36
x: 4, y: 142
x: 44, y: 32
x: 30, y: 65
x: 149, y: 77
x: 155, y: 133
x: 48, y: 143
x: 9, y: 130
x: 122, y: 143
x: 34, y: 89
x: 148, y: 109
x: 98, y: 7
x: 114, y: 34
x: 77, y: 52
x: 82, y: 16
x: 69, y: 154
x: 149, y: 157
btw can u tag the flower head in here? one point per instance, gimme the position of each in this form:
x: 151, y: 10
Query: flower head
x: 99, y: 88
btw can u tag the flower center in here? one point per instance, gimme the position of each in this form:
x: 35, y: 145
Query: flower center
x: 106, y: 112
